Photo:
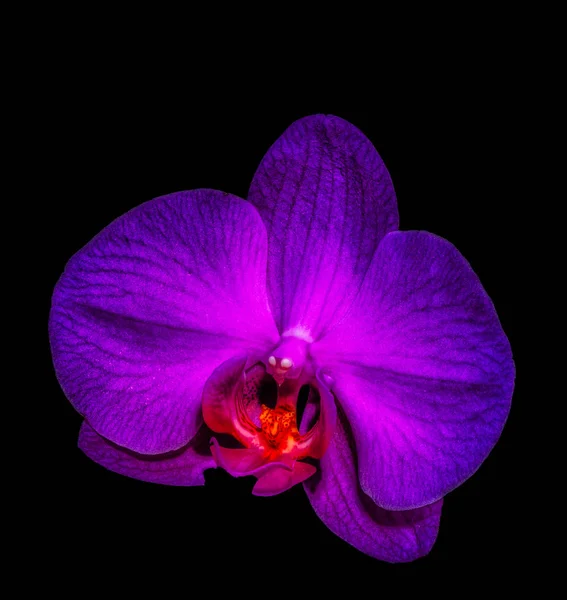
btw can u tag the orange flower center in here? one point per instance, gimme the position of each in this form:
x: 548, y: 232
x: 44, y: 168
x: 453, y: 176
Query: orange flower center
x: 279, y: 430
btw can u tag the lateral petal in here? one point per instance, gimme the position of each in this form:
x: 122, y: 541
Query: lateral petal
x: 144, y: 313
x: 423, y: 371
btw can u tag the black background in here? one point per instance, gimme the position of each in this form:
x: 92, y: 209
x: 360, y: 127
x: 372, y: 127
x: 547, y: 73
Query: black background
x: 451, y: 177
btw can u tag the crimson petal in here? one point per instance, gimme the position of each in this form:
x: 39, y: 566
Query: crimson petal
x: 240, y: 462
x: 278, y: 480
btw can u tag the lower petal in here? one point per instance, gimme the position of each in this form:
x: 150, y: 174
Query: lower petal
x: 336, y: 497
x: 182, y: 467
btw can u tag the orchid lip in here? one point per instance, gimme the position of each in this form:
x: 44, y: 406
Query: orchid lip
x: 274, y: 441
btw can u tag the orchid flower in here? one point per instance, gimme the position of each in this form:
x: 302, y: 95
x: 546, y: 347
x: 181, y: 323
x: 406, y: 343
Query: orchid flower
x: 201, y: 317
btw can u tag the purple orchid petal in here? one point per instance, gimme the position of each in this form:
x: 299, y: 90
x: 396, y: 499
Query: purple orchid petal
x: 144, y: 313
x: 339, y: 502
x: 423, y: 371
x: 278, y: 480
x: 327, y: 200
x: 182, y: 467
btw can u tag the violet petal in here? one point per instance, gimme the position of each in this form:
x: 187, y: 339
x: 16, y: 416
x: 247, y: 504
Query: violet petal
x: 145, y: 311
x: 423, y: 371
x: 334, y: 493
x: 182, y: 467
x: 327, y: 200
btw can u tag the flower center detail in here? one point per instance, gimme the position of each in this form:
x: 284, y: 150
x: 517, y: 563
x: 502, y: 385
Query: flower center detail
x: 279, y: 429
x: 273, y: 448
x: 288, y: 360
